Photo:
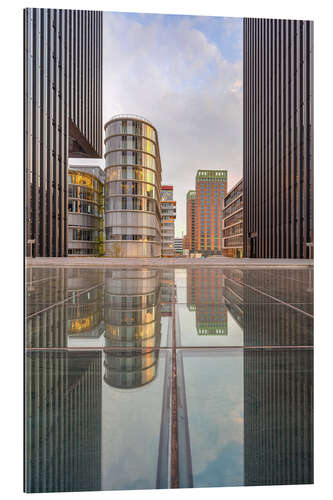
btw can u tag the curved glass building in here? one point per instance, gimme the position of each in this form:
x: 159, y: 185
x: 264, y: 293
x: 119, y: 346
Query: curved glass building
x: 85, y: 210
x: 132, y: 188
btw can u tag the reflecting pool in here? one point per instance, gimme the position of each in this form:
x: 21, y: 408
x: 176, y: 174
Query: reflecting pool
x: 164, y: 378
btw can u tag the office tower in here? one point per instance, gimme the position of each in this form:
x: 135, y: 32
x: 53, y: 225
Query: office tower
x: 278, y: 138
x: 62, y: 116
x: 85, y: 210
x: 133, y: 188
x: 211, y: 188
x: 168, y: 207
x: 179, y: 246
x: 233, y: 222
x: 190, y: 221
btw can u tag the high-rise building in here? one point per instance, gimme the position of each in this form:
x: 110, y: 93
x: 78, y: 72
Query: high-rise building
x: 85, y: 210
x: 168, y: 207
x: 211, y: 188
x: 190, y: 221
x: 278, y: 138
x: 133, y: 188
x: 62, y: 116
x: 233, y: 222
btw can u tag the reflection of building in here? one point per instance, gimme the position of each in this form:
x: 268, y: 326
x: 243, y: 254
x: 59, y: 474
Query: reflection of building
x: 205, y: 295
x: 85, y: 314
x: 234, y: 295
x: 190, y: 221
x: 233, y: 222
x: 132, y: 327
x: 178, y: 246
x: 266, y: 322
x: 278, y: 416
x: 132, y: 190
x: 62, y: 116
x: 168, y: 207
x: 210, y: 188
x: 67, y: 307
x: 62, y: 421
x: 168, y: 291
x: 85, y: 210
x: 44, y: 289
x: 278, y: 138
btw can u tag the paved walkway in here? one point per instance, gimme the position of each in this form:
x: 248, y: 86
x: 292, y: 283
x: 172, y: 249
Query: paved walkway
x: 165, y: 262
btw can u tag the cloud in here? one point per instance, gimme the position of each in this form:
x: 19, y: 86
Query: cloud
x: 176, y: 74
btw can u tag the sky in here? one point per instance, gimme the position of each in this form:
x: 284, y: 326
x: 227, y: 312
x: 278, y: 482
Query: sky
x: 184, y: 74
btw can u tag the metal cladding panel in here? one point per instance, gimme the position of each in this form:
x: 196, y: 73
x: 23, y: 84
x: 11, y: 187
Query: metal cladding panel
x: 62, y: 103
x: 278, y: 138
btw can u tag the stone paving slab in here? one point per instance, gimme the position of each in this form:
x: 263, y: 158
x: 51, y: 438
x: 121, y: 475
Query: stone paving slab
x: 165, y: 262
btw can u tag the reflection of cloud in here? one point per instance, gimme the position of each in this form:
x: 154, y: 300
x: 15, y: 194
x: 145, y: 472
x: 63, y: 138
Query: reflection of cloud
x: 225, y: 469
x: 131, y: 422
x: 176, y: 72
x: 214, y: 388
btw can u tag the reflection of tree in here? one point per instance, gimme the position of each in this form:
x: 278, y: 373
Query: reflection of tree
x: 117, y: 250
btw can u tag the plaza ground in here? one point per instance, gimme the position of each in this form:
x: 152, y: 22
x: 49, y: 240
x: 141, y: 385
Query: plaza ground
x: 164, y: 262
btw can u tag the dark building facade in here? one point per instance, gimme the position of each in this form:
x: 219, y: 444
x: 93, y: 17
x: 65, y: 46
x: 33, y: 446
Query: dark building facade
x: 278, y: 417
x: 278, y: 138
x: 62, y: 116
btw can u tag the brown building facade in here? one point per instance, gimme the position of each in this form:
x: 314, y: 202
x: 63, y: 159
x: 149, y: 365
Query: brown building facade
x: 190, y: 221
x: 211, y: 188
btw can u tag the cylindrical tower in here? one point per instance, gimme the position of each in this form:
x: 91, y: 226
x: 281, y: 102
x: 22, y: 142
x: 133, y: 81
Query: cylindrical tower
x: 132, y: 190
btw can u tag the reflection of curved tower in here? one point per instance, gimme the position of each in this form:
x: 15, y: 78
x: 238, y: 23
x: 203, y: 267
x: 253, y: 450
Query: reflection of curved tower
x: 85, y: 313
x: 132, y: 327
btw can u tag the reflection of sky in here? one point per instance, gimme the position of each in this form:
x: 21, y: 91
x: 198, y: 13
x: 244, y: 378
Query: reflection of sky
x: 190, y: 337
x: 131, y: 421
x: 215, y: 405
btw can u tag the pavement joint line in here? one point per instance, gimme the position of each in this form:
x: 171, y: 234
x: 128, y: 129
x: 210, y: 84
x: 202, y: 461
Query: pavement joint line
x: 219, y: 348
x: 62, y: 301
x: 274, y: 298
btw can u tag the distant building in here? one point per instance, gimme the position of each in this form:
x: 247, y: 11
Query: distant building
x: 168, y: 208
x: 85, y: 210
x: 132, y: 188
x: 233, y: 222
x: 278, y: 138
x: 190, y: 221
x: 62, y: 116
x: 211, y: 188
x: 205, y: 296
x: 179, y: 246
